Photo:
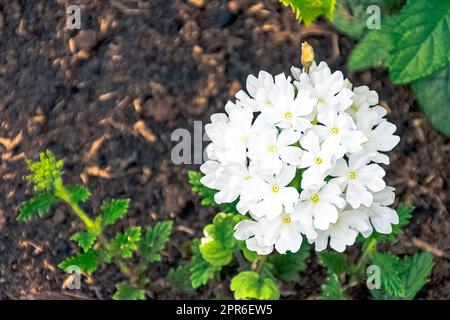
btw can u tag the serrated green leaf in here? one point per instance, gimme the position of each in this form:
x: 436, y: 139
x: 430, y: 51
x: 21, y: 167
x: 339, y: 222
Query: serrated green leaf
x: 415, y: 273
x: 45, y: 172
x: 332, y: 289
x: 219, y: 243
x: 389, y: 266
x: 310, y: 10
x: 250, y: 285
x: 208, y: 194
x: 179, y: 277
x: 201, y: 270
x: 39, y: 205
x: 433, y: 94
x: 87, y: 262
x: 421, y: 40
x: 335, y: 262
x: 374, y: 48
x: 114, y: 210
x: 126, y: 291
x: 78, y: 193
x: 155, y: 240
x: 84, y: 239
x: 288, y: 266
x: 126, y: 243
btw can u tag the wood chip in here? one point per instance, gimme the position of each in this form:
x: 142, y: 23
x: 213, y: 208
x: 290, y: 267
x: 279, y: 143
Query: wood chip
x: 11, y: 143
x: 106, y: 96
x: 95, y: 146
x: 142, y: 129
x: 98, y: 172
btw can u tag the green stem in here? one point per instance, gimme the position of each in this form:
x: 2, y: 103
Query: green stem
x: 366, y: 255
x: 261, y: 264
x: 62, y: 193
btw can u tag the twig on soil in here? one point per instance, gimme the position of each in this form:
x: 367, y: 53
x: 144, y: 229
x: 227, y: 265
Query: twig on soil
x: 185, y: 229
x: 429, y: 248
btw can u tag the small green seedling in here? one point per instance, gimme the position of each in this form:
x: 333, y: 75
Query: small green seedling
x: 97, y: 249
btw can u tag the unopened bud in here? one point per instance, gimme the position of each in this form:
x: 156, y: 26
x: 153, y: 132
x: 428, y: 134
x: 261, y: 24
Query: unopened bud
x: 307, y: 56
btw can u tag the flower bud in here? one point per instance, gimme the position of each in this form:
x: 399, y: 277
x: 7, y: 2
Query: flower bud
x: 307, y: 56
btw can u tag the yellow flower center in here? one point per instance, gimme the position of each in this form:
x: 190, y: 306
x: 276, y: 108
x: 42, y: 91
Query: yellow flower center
x: 248, y: 178
x: 244, y: 138
x: 354, y: 108
x: 275, y: 188
x: 318, y: 160
x: 314, y: 198
x: 288, y: 116
x: 273, y: 148
x: 351, y: 175
x: 286, y: 219
x: 334, y: 130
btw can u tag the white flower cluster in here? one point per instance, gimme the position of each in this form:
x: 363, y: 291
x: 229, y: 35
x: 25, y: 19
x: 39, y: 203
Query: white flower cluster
x: 300, y: 157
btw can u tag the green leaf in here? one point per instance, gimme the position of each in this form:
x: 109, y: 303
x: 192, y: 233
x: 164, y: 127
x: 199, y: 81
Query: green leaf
x: 332, y: 289
x: 126, y: 291
x: 114, y: 210
x: 433, y: 94
x: 335, y: 262
x: 45, y: 172
x: 288, y: 266
x: 415, y: 273
x: 389, y: 266
x: 310, y: 10
x: 84, y: 239
x: 179, y: 277
x: 421, y: 40
x: 350, y: 16
x: 87, y: 262
x: 126, y: 243
x: 374, y: 49
x: 155, y: 240
x: 208, y: 194
x: 219, y: 243
x: 249, y: 285
x: 79, y: 193
x: 39, y: 205
x: 201, y: 270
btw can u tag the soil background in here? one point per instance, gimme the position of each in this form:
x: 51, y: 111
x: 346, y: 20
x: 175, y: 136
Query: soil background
x: 106, y: 99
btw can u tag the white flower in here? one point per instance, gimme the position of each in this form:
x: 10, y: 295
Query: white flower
x: 329, y: 88
x: 381, y: 216
x: 229, y: 135
x: 289, y: 110
x: 276, y: 195
x: 318, y: 207
x: 316, y: 158
x: 283, y: 232
x: 363, y: 98
x: 270, y: 149
x: 358, y: 178
x: 317, y: 136
x: 342, y: 233
x: 341, y: 130
x: 381, y: 138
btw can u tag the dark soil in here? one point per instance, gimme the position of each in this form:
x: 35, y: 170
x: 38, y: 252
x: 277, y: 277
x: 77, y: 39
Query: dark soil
x: 162, y: 65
